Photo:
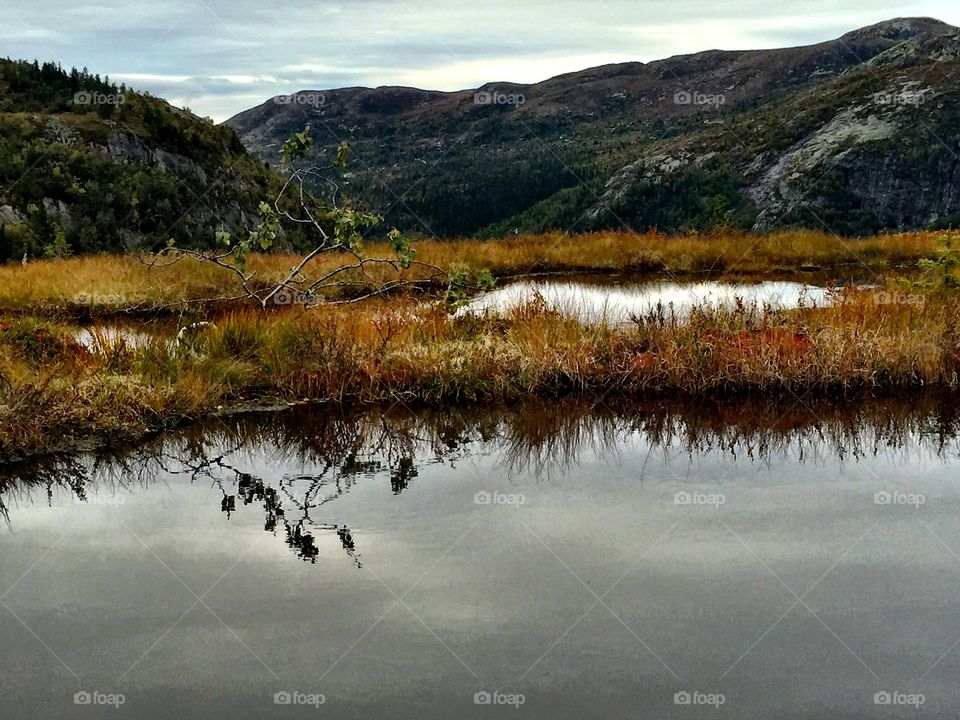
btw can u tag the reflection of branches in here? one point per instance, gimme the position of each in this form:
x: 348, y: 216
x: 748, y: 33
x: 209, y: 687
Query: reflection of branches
x: 253, y: 489
x: 325, y: 451
x: 18, y: 481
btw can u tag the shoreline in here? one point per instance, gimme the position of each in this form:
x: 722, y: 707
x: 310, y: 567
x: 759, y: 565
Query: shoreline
x: 85, y: 314
x: 751, y: 401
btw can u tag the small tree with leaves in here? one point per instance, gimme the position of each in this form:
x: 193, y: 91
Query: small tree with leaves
x: 940, y: 272
x: 338, y: 228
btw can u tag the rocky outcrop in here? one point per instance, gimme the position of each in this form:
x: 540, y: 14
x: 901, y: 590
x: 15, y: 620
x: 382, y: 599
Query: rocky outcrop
x: 59, y: 212
x: 10, y: 215
x: 876, y: 147
x: 129, y: 148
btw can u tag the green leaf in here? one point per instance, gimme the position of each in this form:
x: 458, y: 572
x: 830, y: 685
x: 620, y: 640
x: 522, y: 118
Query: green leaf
x: 401, y: 246
x: 297, y: 146
x: 343, y: 156
x: 486, y: 280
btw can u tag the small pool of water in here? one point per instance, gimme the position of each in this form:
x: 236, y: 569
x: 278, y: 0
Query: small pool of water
x: 100, y: 337
x: 617, y: 303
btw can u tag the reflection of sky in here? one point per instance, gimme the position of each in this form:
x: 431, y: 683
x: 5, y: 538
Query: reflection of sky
x: 107, y: 336
x: 617, y: 304
x: 493, y: 587
x: 223, y: 56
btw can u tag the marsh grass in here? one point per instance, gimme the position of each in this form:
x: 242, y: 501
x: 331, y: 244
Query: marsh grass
x: 408, y: 349
x: 54, y: 391
x: 105, y: 285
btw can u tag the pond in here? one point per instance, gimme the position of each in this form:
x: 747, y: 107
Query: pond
x: 617, y: 303
x: 102, y: 337
x: 728, y: 560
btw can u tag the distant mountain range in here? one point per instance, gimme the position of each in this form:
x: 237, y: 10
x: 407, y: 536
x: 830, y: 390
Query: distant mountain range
x: 853, y: 135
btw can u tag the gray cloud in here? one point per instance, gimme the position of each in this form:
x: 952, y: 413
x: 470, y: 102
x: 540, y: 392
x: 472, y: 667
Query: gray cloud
x: 222, y: 56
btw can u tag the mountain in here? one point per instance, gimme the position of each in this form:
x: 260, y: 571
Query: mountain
x: 87, y: 166
x: 857, y: 134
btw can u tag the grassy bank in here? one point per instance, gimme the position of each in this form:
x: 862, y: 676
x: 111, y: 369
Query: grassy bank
x: 54, y: 392
x: 102, y: 285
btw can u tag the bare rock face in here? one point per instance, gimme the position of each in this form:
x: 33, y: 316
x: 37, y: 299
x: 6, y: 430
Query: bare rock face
x: 129, y: 148
x: 59, y: 212
x: 9, y: 215
x: 783, y: 182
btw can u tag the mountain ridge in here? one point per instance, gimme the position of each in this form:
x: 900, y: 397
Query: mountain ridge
x: 498, y: 153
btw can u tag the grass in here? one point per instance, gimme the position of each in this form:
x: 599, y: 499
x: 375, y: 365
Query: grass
x: 111, y: 284
x: 54, y: 392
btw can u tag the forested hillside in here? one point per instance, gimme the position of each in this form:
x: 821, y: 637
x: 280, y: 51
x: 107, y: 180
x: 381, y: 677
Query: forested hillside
x: 90, y: 166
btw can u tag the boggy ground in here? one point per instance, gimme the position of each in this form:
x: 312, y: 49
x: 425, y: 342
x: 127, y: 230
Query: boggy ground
x: 101, y: 285
x: 55, y: 393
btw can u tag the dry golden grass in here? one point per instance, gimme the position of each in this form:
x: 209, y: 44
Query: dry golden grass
x: 52, y: 391
x: 113, y: 283
x: 730, y: 251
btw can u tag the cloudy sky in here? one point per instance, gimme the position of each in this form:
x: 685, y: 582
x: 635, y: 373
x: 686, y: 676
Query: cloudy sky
x: 222, y: 56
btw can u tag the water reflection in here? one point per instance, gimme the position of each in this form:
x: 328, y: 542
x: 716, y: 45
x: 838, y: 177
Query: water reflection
x: 103, y: 338
x: 618, y: 303
x: 346, y: 553
x: 239, y: 457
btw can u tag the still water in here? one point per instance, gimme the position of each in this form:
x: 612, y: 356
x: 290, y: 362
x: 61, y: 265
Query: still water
x: 102, y: 337
x: 619, y: 302
x: 722, y: 561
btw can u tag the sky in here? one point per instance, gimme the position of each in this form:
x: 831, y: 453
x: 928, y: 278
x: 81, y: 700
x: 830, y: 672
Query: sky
x: 219, y: 57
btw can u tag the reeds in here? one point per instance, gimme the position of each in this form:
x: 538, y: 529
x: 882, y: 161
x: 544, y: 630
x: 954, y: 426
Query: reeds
x: 55, y: 392
x: 102, y: 285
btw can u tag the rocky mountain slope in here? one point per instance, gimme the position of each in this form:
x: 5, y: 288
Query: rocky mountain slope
x: 855, y: 134
x: 87, y: 166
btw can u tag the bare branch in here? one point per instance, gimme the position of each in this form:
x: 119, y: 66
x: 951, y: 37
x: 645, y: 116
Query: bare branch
x: 338, y: 229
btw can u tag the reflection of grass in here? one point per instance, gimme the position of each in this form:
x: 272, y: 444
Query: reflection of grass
x: 357, y: 442
x: 113, y: 283
x: 54, y: 392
